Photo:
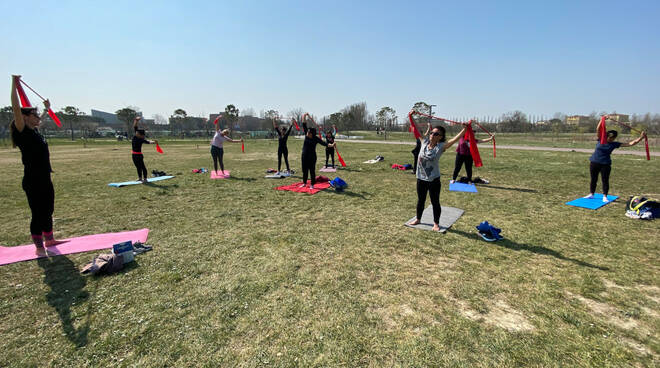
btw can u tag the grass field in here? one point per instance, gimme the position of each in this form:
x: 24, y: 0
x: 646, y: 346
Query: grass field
x: 243, y: 275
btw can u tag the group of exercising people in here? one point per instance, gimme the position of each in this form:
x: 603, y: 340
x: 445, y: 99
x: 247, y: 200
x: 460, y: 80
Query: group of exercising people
x: 38, y: 186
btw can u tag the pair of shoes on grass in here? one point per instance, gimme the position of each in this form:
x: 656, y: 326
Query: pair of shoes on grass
x: 591, y: 196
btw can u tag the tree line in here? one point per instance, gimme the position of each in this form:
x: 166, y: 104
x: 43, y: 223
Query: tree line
x: 353, y: 117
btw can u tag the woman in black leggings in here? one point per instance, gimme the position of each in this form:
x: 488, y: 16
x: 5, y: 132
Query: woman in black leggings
x: 136, y: 151
x: 428, y: 171
x: 35, y: 155
x: 601, y: 162
x: 309, y: 154
x: 282, y: 150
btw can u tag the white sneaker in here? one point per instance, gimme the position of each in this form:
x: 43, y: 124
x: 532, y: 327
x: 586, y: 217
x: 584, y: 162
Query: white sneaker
x: 605, y: 200
x: 311, y: 187
x: 452, y: 181
x: 302, y: 186
x: 590, y: 196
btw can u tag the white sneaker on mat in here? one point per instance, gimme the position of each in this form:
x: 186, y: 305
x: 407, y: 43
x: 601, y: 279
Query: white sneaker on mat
x: 605, y: 200
x: 590, y: 196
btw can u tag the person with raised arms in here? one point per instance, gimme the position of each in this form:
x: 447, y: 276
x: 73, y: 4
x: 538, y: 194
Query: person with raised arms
x: 282, y: 150
x: 136, y: 149
x: 463, y: 156
x: 217, y: 150
x: 600, y: 161
x: 330, y: 139
x: 37, y: 183
x: 309, y: 154
x: 428, y: 171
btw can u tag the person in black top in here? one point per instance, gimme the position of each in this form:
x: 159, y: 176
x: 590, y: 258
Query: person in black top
x: 138, y: 159
x: 330, y: 151
x: 415, y: 152
x: 309, y: 154
x: 282, y: 150
x: 35, y: 155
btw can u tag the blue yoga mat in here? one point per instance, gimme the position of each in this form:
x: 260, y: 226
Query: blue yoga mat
x: 462, y: 187
x: 150, y: 180
x: 592, y: 203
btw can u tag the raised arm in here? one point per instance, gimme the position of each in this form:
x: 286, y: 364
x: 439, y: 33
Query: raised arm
x: 135, y: 122
x: 15, y: 105
x: 634, y: 141
x: 288, y: 131
x: 455, y: 139
x: 428, y: 130
x: 304, y: 124
x: 485, y: 139
x: 334, y: 130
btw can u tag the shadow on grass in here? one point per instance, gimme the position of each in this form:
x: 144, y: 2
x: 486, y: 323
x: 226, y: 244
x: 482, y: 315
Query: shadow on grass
x: 505, y: 243
x: 348, y: 193
x: 241, y: 179
x: 161, y: 186
x: 508, y: 188
x: 66, y: 289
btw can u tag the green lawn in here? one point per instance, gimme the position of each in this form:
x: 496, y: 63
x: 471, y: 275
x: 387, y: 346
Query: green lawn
x: 243, y: 275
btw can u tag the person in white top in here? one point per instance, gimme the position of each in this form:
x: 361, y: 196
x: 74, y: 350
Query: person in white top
x: 220, y: 137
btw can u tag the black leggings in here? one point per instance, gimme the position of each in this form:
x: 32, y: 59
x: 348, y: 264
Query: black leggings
x: 138, y: 160
x: 329, y: 152
x: 308, y: 166
x: 604, y: 171
x: 41, y: 198
x: 434, y: 188
x: 216, y: 153
x: 282, y: 151
x: 460, y: 160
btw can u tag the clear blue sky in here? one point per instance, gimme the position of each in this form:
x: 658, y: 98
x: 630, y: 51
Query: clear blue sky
x: 471, y: 58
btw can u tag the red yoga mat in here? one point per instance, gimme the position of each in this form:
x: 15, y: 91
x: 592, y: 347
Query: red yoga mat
x: 69, y: 246
x: 295, y: 187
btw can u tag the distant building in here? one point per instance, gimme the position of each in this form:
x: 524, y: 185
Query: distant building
x: 577, y: 119
x: 112, y: 119
x: 108, y: 117
x: 621, y: 118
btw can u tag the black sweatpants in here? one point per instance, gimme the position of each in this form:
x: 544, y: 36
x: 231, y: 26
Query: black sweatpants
x: 460, y: 160
x: 434, y: 188
x: 41, y: 198
x: 308, y: 167
x: 330, y: 152
x: 217, y: 153
x: 604, y: 170
x: 138, y: 160
x: 282, y: 151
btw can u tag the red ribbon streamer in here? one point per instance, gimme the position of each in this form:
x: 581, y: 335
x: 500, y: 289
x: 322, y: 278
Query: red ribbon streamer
x: 487, y: 132
x: 158, y: 148
x: 646, y: 139
x: 413, y: 126
x: 242, y: 146
x: 474, y: 150
x: 602, y: 130
x: 54, y: 117
x: 21, y: 93
x: 215, y: 122
x: 341, y: 160
x: 26, y: 102
x: 295, y: 124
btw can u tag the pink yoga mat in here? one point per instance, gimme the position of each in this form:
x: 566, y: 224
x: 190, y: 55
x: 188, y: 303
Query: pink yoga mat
x: 68, y: 246
x: 218, y: 175
x: 328, y: 169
